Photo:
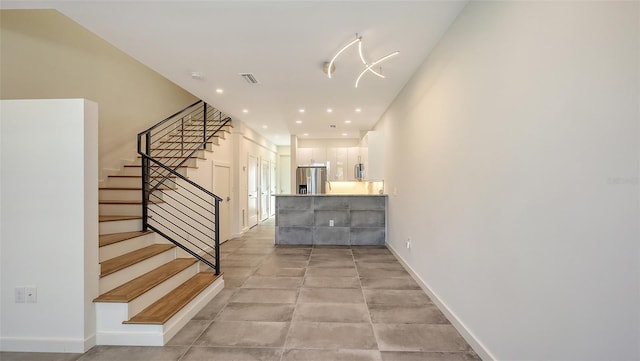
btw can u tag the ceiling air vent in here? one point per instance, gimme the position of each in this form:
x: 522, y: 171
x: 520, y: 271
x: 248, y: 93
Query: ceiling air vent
x: 250, y: 78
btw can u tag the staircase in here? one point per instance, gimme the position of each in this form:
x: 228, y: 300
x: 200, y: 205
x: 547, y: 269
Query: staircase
x: 153, y: 282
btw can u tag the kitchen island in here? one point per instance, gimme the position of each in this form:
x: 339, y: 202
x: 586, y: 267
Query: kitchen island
x: 326, y: 219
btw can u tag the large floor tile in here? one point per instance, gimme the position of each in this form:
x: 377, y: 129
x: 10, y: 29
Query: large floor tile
x: 236, y: 271
x: 330, y: 263
x: 376, y: 273
x: 276, y: 312
x: 277, y: 271
x: 332, y: 272
x: 418, y: 337
x: 396, y: 297
x: 331, y: 312
x: 406, y: 314
x: 232, y: 354
x: 265, y: 295
x: 189, y: 333
x: 331, y: 282
x: 272, y: 282
x: 133, y: 353
x: 39, y: 356
x: 211, y: 310
x: 244, y: 334
x: 428, y: 356
x: 330, y: 295
x: 331, y: 355
x: 398, y: 283
x: 368, y: 257
x: 377, y: 264
x: 329, y: 335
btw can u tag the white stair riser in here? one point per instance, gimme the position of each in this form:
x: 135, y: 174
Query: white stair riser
x: 176, y: 145
x: 124, y: 195
x: 119, y: 248
x: 136, y: 170
x: 111, y: 331
x: 175, y: 151
x: 191, y: 162
x: 128, y: 225
x: 120, y: 209
x: 116, y: 279
x: 134, y: 182
x: 159, y: 291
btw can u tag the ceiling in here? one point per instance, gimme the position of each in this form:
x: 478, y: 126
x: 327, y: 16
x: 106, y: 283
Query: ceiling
x: 284, y: 44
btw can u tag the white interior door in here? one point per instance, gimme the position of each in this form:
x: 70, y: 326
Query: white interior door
x: 222, y: 188
x: 272, y: 189
x: 252, y: 187
x: 264, y: 190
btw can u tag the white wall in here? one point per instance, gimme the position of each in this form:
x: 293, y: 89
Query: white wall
x: 513, y: 163
x: 49, y: 217
x: 45, y: 55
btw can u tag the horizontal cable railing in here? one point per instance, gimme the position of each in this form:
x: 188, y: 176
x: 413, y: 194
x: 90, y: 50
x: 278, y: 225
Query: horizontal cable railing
x: 172, y: 205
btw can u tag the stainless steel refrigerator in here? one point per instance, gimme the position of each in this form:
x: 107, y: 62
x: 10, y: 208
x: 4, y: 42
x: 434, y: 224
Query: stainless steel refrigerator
x: 311, y: 179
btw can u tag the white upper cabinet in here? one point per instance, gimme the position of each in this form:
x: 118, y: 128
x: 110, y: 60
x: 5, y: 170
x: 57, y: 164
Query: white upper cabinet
x: 373, y: 156
x: 337, y: 164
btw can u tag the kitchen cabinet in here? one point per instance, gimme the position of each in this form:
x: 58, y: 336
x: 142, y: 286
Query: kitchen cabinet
x: 311, y: 156
x: 373, y: 156
x: 337, y: 164
x: 353, y: 158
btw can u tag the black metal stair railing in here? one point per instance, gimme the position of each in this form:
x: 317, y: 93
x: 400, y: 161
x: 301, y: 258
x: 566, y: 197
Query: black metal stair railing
x: 173, y: 206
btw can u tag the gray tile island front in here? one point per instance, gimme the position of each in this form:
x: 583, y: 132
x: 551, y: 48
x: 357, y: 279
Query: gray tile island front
x: 355, y: 220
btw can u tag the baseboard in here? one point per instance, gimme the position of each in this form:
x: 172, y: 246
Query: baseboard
x: 46, y: 344
x: 471, y: 339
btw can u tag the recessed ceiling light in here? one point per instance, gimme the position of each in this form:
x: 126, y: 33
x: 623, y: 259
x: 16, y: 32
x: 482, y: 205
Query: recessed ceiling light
x: 329, y: 110
x: 305, y: 134
x: 245, y: 111
x: 344, y: 134
x: 265, y: 127
x: 347, y: 121
x: 301, y: 110
x: 298, y: 121
x: 358, y: 110
x: 219, y: 91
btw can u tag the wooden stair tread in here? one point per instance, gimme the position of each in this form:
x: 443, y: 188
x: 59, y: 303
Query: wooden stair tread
x: 127, y: 202
x: 117, y: 218
x: 175, y: 157
x: 111, y: 238
x: 139, y: 285
x: 162, y: 310
x: 138, y: 176
x: 157, y: 166
x: 116, y: 264
x: 120, y: 188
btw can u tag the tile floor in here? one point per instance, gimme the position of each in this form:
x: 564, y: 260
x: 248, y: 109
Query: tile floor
x: 302, y: 303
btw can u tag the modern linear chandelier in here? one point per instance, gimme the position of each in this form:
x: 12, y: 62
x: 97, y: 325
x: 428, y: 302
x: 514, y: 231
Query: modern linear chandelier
x: 329, y: 68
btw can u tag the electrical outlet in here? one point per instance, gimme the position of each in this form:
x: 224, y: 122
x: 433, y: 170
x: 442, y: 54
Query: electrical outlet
x: 409, y: 243
x: 31, y: 294
x: 20, y: 295
x: 331, y: 223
